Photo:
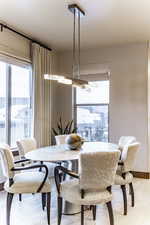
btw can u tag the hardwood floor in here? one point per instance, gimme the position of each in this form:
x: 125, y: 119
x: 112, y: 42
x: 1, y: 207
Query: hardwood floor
x: 29, y: 211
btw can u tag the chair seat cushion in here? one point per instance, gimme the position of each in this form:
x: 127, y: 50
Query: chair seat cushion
x: 119, y: 180
x: 70, y: 191
x: 28, y: 182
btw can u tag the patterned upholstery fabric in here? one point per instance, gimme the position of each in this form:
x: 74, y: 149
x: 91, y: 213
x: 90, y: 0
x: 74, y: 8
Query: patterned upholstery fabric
x: 28, y: 182
x: 97, y: 169
x: 119, y: 180
x: 7, y: 160
x: 60, y: 139
x: 26, y: 145
x: 125, y: 140
x: 70, y: 191
x: 128, y: 156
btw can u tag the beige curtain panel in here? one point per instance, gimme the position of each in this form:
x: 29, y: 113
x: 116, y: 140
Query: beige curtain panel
x: 41, y: 61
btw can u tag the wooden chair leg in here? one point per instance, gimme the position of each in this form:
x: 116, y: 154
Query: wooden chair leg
x: 48, y: 207
x: 110, y: 211
x: 123, y: 188
x: 43, y: 200
x: 59, y: 202
x: 132, y: 194
x: 40, y: 167
x: 9, y: 203
x: 94, y: 212
x: 20, y: 197
x: 82, y: 214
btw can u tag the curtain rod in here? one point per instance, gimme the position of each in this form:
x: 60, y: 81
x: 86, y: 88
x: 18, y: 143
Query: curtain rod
x: 30, y: 39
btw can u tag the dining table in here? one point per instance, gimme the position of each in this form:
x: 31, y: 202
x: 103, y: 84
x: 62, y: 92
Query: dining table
x: 59, y: 153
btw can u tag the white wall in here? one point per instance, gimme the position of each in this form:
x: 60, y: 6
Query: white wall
x: 128, y: 92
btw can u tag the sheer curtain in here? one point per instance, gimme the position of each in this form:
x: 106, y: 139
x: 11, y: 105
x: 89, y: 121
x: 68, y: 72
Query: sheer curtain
x: 41, y: 62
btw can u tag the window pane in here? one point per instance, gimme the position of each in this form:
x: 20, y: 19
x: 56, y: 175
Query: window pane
x: 20, y: 103
x: 99, y: 93
x: 2, y: 102
x: 92, y: 122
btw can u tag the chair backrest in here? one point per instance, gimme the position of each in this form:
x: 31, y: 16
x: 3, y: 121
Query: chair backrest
x: 128, y: 156
x: 7, y: 161
x: 60, y: 139
x: 126, y: 140
x: 26, y: 145
x: 97, y: 169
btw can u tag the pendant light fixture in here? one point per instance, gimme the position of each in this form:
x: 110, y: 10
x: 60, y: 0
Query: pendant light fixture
x: 74, y: 80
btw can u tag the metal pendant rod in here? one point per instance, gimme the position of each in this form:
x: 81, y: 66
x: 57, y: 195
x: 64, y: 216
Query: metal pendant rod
x: 78, y: 45
x: 74, y: 41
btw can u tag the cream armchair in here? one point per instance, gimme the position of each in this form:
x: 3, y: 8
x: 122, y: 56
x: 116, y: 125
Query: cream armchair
x: 30, y: 144
x: 27, y: 145
x: 93, y: 184
x: 124, y: 175
x: 24, y: 182
x: 126, y: 140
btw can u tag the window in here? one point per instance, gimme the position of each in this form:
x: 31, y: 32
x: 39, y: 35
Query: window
x: 91, y: 111
x: 15, y: 103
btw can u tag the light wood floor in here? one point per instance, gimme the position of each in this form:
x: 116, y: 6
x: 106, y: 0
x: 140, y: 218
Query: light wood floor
x: 29, y: 211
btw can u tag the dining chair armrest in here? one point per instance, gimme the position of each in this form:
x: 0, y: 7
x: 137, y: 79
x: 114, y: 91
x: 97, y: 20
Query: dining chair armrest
x: 34, y: 167
x: 21, y: 161
x: 63, y: 170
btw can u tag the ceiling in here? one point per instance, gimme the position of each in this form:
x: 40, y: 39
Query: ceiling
x: 107, y: 22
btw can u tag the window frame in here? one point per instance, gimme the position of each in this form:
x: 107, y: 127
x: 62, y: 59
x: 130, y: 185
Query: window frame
x: 9, y: 94
x: 75, y: 105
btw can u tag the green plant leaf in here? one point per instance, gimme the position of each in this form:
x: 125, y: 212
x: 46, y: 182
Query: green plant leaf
x: 66, y: 128
x: 54, y: 132
x: 74, y: 130
x: 70, y: 127
x: 60, y: 128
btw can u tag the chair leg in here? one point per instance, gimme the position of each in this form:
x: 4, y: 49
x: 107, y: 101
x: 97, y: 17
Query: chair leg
x: 48, y: 207
x: 123, y: 188
x: 82, y: 214
x: 110, y: 211
x: 59, y: 202
x: 40, y: 167
x: 9, y: 202
x: 20, y: 197
x: 43, y: 200
x: 132, y: 194
x: 94, y: 212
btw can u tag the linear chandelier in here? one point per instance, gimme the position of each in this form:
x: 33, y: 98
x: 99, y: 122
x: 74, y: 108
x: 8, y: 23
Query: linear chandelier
x: 74, y: 80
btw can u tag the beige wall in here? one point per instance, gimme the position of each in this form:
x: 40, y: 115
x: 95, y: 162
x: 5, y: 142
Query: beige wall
x: 128, y: 92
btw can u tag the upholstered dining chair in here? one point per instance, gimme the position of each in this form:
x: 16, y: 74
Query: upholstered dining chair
x: 60, y: 139
x: 124, y: 175
x: 23, y: 182
x: 93, y: 184
x: 125, y: 140
x: 27, y: 145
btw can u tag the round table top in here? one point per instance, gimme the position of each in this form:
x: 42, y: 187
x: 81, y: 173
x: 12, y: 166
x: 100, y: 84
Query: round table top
x: 62, y: 153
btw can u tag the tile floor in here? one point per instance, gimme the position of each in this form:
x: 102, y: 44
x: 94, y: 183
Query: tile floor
x: 29, y: 211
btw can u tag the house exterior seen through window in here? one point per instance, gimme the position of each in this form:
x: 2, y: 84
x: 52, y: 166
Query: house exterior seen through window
x: 92, y: 111
x: 15, y: 103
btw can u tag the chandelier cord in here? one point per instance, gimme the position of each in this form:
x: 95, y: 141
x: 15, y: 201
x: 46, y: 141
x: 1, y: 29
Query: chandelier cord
x: 78, y: 44
x: 74, y: 39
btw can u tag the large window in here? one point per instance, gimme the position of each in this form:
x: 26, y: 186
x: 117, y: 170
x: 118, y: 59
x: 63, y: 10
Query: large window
x: 91, y: 111
x: 15, y: 103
